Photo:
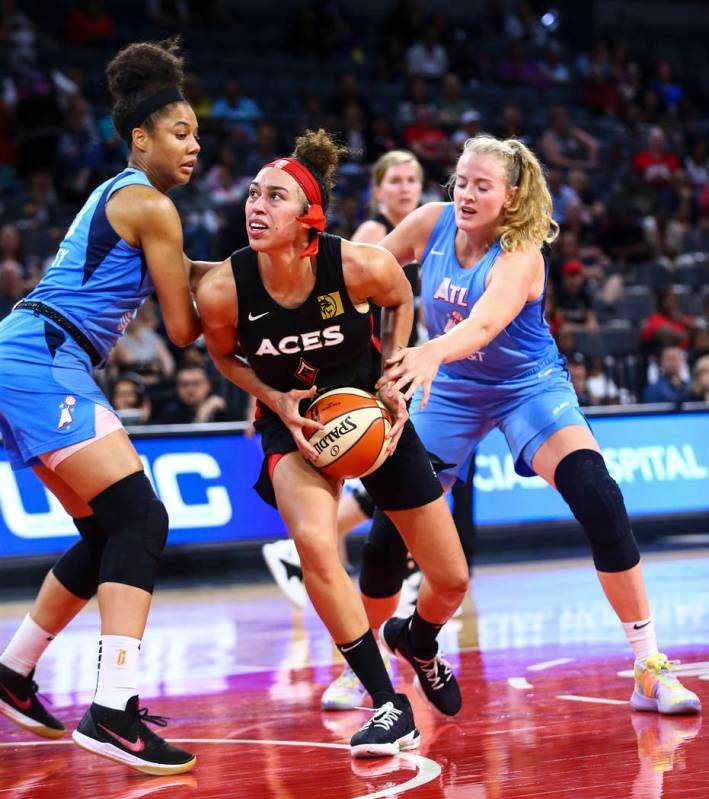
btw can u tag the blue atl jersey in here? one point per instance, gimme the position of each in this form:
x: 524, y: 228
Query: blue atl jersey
x: 448, y: 293
x: 97, y: 280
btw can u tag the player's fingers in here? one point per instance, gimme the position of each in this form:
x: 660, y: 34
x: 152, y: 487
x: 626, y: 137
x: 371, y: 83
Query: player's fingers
x: 310, y: 424
x: 426, y: 393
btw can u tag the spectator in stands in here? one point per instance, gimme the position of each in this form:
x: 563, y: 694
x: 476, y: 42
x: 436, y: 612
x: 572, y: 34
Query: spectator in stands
x: 667, y: 326
x: 354, y: 134
x: 237, y: 112
x: 670, y: 386
x: 129, y: 399
x: 696, y: 164
x: 196, y: 96
x: 35, y: 97
x: 469, y: 126
x: 89, y: 23
x: 223, y: 185
x: 80, y: 152
x: 348, y: 93
x: 510, y: 126
x: 566, y: 340
x: 310, y: 113
x: 523, y: 24
x: 566, y: 146
x: 427, y: 58
x: 700, y: 380
x: 426, y: 139
x: 669, y: 90
x: 195, y: 401
x: 383, y: 138
x: 621, y: 235
x: 10, y: 286
x: 143, y: 350
x: 552, y: 68
x: 11, y: 245
x: 416, y: 96
x: 519, y: 69
x: 601, y: 387
x: 601, y: 93
x: 561, y: 194
x: 655, y: 163
x: 451, y: 104
x: 578, y: 373
x: 265, y: 149
x: 573, y: 298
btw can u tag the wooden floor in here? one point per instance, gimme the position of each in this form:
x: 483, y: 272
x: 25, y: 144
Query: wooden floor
x: 542, y: 663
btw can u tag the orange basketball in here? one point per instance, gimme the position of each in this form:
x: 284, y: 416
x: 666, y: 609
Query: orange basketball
x: 352, y: 441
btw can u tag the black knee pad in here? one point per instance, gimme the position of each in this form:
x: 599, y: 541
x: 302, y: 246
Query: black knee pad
x: 365, y: 502
x: 593, y: 495
x: 136, y: 523
x: 77, y: 569
x: 383, y: 559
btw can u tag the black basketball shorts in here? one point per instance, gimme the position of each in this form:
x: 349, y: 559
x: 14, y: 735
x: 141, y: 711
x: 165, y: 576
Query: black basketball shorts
x: 404, y: 481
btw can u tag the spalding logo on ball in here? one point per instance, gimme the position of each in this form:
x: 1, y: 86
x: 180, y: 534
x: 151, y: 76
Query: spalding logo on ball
x: 351, y: 443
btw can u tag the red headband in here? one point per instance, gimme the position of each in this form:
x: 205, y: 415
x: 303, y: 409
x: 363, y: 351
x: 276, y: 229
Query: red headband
x: 315, y: 216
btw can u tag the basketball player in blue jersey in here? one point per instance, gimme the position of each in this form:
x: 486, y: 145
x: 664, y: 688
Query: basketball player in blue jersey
x: 125, y: 243
x: 296, y: 303
x: 492, y: 362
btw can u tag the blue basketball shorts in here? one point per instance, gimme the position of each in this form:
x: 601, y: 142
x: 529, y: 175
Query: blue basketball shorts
x: 47, y: 391
x: 461, y: 412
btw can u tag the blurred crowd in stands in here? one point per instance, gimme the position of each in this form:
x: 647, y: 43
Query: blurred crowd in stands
x: 621, y: 126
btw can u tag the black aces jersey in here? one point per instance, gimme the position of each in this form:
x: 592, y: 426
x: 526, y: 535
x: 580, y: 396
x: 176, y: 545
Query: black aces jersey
x: 325, y: 341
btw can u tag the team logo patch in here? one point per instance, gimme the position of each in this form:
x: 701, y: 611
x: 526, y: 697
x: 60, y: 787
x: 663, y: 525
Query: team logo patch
x: 306, y: 373
x: 330, y: 305
x: 67, y: 409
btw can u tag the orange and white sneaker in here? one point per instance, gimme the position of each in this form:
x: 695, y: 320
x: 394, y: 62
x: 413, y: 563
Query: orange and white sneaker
x: 657, y: 689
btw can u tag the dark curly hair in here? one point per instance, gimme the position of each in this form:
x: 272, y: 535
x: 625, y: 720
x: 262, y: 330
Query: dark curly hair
x: 320, y: 153
x: 139, y: 71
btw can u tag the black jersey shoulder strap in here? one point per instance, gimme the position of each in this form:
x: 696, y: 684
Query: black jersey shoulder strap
x: 330, y: 278
x: 244, y: 267
x: 379, y: 217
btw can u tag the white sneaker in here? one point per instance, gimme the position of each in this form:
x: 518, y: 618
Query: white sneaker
x: 284, y: 564
x: 346, y: 692
x: 658, y: 689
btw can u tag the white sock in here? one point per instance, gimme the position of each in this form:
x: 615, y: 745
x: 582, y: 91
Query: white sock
x: 641, y: 637
x: 26, y: 647
x: 117, y: 670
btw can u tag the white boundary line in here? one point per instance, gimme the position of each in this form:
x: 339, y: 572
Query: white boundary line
x: 596, y: 699
x: 428, y: 769
x: 520, y: 683
x: 548, y: 664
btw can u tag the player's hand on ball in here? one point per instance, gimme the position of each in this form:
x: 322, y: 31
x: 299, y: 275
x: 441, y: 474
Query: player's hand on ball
x: 412, y: 367
x: 396, y: 405
x: 287, y: 407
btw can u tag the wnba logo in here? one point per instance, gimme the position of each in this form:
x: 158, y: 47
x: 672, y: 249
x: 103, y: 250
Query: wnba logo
x: 121, y: 657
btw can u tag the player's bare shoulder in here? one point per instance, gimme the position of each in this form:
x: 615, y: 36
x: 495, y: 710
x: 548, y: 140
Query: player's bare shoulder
x: 216, y: 293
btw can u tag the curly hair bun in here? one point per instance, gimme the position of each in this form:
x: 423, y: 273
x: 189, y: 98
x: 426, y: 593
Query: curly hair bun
x: 318, y: 151
x: 144, y: 66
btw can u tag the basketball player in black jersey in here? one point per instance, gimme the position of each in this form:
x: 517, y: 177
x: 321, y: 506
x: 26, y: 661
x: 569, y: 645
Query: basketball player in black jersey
x: 296, y: 304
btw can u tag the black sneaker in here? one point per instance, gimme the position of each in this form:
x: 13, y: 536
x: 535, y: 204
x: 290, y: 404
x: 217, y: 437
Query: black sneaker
x: 121, y: 735
x: 18, y: 701
x: 434, y: 676
x: 390, y: 730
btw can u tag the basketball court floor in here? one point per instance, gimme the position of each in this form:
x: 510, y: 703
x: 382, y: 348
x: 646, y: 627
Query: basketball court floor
x: 543, y: 666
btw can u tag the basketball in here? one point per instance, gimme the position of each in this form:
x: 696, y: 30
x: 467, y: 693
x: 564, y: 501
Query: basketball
x: 352, y: 441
